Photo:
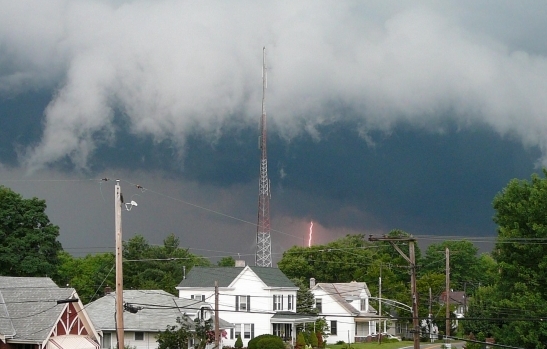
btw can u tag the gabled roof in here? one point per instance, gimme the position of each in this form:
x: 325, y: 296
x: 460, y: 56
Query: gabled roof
x: 347, y: 295
x: 456, y: 297
x: 206, y: 276
x: 29, y: 308
x: 158, y: 310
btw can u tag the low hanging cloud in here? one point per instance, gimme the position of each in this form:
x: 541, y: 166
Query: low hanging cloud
x: 169, y: 67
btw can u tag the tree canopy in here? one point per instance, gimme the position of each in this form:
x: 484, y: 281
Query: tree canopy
x: 28, y: 240
x: 521, y: 255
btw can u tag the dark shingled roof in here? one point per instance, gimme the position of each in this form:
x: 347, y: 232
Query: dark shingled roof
x: 206, y: 276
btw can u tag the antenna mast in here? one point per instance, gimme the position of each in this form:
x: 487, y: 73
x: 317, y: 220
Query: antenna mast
x: 263, y: 240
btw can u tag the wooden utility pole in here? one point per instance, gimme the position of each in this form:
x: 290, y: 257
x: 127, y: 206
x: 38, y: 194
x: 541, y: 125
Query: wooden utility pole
x: 411, y: 259
x: 380, y: 306
x: 217, y: 326
x: 119, y: 265
x: 447, y: 303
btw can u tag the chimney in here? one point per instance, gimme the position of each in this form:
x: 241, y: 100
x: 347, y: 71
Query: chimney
x: 312, y: 282
x: 240, y: 263
x: 107, y: 290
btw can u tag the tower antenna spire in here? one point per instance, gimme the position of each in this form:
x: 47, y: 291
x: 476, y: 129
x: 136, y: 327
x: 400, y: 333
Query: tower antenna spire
x: 263, y: 256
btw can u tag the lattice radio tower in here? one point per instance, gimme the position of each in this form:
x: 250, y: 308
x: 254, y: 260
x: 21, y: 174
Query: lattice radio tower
x: 263, y: 256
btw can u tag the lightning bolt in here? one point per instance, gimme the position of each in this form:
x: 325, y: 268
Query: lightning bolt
x: 311, y: 233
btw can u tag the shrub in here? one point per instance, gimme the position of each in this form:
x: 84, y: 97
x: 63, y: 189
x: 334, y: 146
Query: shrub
x: 340, y: 342
x: 239, y: 342
x: 253, y: 343
x: 313, y: 340
x: 271, y: 343
x: 320, y: 342
x: 300, y: 341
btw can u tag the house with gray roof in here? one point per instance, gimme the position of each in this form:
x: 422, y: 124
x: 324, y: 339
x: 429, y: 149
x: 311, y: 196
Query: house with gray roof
x: 257, y: 300
x: 35, y: 313
x: 152, y: 311
x: 347, y: 310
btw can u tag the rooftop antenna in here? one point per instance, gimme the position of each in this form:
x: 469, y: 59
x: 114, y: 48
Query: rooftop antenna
x: 263, y: 256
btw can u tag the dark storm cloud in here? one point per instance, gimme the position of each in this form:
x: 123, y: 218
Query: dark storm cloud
x: 382, y: 115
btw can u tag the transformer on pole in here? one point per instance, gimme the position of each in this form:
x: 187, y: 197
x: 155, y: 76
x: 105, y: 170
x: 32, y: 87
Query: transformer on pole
x: 263, y: 256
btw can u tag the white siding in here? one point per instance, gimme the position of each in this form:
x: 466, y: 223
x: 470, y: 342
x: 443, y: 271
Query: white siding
x: 261, y: 302
x: 335, y: 312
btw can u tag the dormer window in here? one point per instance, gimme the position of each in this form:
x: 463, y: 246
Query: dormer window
x: 364, y: 304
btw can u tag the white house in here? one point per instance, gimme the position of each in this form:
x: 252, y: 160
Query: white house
x: 257, y: 300
x: 153, y: 311
x: 346, y: 308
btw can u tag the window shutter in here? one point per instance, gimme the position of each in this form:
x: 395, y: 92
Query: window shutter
x: 252, y: 330
x: 274, y: 308
x: 231, y: 333
x: 248, y: 303
x: 237, y: 303
x: 281, y: 308
x: 203, y: 298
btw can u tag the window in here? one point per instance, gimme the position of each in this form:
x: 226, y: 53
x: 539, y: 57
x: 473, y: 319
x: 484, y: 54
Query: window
x: 277, y: 302
x: 243, y: 303
x: 238, y: 330
x: 282, y: 330
x: 107, y: 338
x: 199, y: 297
x: 363, y: 304
x: 248, y: 331
x: 290, y: 302
x: 333, y: 327
x: 319, y: 305
x: 139, y: 336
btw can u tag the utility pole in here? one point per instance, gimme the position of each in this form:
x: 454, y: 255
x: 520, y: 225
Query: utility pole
x: 411, y: 259
x: 447, y: 303
x: 119, y: 265
x: 380, y: 306
x: 217, y: 328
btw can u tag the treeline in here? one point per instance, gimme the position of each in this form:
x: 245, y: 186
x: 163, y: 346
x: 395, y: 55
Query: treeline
x: 145, y: 267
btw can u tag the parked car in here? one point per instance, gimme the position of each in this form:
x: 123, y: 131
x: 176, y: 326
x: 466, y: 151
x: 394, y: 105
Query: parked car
x: 389, y: 336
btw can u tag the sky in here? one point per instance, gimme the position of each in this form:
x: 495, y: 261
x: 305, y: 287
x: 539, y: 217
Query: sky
x: 382, y: 115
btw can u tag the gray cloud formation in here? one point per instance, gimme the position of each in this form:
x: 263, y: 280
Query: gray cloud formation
x: 168, y: 67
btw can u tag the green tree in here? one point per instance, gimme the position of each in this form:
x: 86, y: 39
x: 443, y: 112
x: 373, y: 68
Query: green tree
x: 227, y: 262
x: 300, y: 341
x: 88, y: 275
x: 239, y: 342
x: 305, y: 301
x: 520, y: 213
x: 204, y: 333
x: 313, y: 340
x: 156, y: 267
x: 28, y: 240
x: 465, y: 266
x: 175, y: 337
x: 341, y: 260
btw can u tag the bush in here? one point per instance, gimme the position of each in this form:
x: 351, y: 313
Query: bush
x: 253, y: 343
x: 239, y: 342
x: 313, y: 340
x: 340, y: 342
x: 271, y: 343
x: 300, y: 341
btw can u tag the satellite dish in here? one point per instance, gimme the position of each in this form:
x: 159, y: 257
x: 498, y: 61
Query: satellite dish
x: 129, y: 205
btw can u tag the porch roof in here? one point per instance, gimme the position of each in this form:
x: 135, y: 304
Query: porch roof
x: 289, y: 317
